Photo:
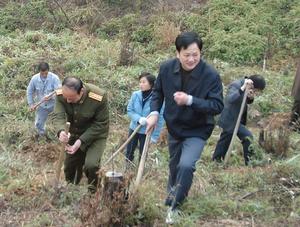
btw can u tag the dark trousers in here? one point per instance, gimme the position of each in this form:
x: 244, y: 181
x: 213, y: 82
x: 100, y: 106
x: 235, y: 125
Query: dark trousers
x: 294, y: 121
x: 222, y: 146
x: 184, y: 154
x: 138, y: 138
x: 87, y: 161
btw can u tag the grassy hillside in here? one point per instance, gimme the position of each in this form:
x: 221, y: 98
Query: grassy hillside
x: 91, y: 39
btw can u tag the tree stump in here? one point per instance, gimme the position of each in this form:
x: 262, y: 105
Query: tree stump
x: 113, y: 187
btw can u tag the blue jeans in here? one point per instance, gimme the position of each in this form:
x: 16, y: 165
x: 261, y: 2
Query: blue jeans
x: 184, y: 154
x: 41, y: 116
x: 223, y: 144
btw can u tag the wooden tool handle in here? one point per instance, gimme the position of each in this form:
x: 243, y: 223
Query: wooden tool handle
x: 43, y: 100
x: 62, y: 154
x: 143, y: 160
x: 122, y: 146
x: 67, y: 127
x: 236, y: 128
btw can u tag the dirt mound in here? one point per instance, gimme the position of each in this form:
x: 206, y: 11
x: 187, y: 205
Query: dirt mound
x: 42, y: 152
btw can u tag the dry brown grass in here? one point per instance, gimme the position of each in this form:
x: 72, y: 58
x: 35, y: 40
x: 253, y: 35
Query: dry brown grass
x: 165, y: 34
x: 275, y: 134
x: 111, y: 205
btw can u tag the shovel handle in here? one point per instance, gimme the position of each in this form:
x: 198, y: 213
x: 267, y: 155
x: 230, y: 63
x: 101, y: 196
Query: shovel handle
x: 143, y: 160
x: 122, y: 146
x: 236, y: 128
x: 42, y: 101
x: 62, y: 154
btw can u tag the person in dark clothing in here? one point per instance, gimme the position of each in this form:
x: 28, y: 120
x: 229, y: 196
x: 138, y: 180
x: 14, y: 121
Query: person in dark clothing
x: 294, y: 121
x: 192, y: 91
x: 229, y: 116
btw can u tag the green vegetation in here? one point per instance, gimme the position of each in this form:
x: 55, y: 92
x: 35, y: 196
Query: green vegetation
x: 87, y: 39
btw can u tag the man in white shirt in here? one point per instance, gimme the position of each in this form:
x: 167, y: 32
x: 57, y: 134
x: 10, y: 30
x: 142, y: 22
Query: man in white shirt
x: 41, y: 85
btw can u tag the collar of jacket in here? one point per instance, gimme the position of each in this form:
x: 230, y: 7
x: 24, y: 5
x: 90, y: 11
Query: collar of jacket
x: 242, y: 81
x: 85, y: 94
x: 194, y: 72
x: 47, y: 78
x: 140, y: 95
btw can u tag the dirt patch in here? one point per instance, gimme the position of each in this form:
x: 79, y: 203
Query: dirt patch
x: 35, y: 218
x: 42, y: 152
x: 225, y: 222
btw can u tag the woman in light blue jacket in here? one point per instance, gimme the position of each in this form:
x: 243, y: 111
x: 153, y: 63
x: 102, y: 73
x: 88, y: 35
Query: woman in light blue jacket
x: 138, y: 109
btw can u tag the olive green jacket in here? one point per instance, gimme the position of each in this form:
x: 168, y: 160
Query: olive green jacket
x: 89, y: 117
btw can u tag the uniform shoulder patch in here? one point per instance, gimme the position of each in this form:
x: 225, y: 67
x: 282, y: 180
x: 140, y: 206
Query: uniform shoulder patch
x: 59, y: 91
x: 95, y: 96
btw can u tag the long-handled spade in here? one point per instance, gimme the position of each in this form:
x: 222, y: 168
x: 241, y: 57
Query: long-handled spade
x: 61, y: 157
x: 43, y: 100
x: 142, y: 161
x: 236, y: 128
x: 36, y: 105
x: 122, y: 146
x: 114, y: 181
x: 113, y: 178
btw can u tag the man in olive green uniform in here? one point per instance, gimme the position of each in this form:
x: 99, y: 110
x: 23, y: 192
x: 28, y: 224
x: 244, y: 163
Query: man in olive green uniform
x: 85, y: 107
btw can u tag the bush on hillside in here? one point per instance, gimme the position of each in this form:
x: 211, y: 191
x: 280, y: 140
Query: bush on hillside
x: 244, y: 33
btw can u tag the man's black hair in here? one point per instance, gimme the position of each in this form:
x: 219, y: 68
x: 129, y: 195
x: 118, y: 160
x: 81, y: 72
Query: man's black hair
x: 185, y: 39
x: 73, y: 83
x: 151, y: 79
x: 258, y: 81
x: 43, y: 66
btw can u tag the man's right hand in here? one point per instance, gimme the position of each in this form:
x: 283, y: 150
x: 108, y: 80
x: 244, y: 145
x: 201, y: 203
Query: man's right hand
x: 32, y: 108
x: 151, y: 122
x: 248, y: 83
x: 64, y: 137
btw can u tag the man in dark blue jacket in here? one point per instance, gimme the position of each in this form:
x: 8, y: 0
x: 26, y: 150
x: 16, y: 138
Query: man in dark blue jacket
x: 229, y: 116
x: 192, y: 91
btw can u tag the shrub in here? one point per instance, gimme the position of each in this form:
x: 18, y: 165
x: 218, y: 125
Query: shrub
x: 31, y: 15
x: 165, y: 34
x: 143, y: 34
x: 116, y: 26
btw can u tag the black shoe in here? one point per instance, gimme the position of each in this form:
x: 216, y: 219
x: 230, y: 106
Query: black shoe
x: 294, y: 126
x: 168, y: 201
x: 92, y: 189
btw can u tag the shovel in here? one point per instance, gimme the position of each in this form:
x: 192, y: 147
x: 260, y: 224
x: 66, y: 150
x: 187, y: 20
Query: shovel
x: 236, y: 128
x: 122, y: 146
x: 143, y: 160
x: 61, y: 156
x: 43, y: 100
